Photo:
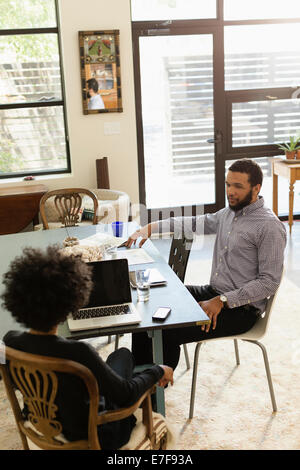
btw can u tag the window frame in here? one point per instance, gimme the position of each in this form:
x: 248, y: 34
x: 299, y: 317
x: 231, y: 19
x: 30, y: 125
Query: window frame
x: 37, y: 104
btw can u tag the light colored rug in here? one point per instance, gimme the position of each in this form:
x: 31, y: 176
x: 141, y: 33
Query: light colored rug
x: 232, y: 407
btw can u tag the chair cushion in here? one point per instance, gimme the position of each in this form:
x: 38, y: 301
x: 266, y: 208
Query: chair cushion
x: 138, y: 439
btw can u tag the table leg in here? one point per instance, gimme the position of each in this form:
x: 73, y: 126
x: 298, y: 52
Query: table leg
x: 291, y: 205
x: 157, y: 347
x: 275, y: 193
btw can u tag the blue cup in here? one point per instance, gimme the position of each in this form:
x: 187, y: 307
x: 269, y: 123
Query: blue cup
x: 117, y: 228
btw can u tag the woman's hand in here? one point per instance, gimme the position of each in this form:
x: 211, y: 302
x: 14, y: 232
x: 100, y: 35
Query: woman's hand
x: 167, y: 377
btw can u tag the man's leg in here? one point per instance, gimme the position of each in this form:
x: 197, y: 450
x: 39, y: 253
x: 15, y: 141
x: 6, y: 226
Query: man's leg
x: 229, y: 322
x: 142, y: 344
x: 122, y: 362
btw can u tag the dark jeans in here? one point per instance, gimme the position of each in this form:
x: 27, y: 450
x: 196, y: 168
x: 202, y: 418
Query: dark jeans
x: 122, y: 362
x: 116, y: 434
x: 229, y: 322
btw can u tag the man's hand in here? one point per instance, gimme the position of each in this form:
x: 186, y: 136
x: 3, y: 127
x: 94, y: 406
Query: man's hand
x: 212, y: 308
x: 143, y: 233
x: 167, y: 377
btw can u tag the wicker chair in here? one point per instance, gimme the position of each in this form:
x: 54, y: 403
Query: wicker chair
x: 112, y: 206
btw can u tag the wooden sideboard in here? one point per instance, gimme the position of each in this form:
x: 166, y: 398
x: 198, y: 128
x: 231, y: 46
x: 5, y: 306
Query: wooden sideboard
x: 19, y: 205
x: 289, y: 169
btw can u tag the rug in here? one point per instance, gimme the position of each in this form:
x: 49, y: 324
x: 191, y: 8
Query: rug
x: 232, y: 405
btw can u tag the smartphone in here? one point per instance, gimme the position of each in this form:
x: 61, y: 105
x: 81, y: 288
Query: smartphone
x: 161, y: 314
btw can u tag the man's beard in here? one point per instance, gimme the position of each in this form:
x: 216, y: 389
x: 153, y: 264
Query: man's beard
x: 243, y: 203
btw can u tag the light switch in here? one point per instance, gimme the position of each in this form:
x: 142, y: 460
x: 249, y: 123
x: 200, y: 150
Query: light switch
x: 112, y: 128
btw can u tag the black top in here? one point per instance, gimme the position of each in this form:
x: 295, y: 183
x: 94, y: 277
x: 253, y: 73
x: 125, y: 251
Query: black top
x: 72, y: 396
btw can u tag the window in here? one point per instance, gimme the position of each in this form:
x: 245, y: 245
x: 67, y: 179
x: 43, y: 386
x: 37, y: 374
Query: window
x: 32, y: 115
x: 264, y: 9
x: 214, y: 81
x: 147, y: 10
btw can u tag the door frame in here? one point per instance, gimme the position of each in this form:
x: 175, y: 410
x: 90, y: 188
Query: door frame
x: 175, y: 29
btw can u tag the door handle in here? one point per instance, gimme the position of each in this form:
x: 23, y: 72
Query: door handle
x: 217, y: 140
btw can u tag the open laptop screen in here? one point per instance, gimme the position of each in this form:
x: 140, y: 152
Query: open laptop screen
x: 111, y: 283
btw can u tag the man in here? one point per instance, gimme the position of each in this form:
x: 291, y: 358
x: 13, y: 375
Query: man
x: 246, y: 267
x: 95, y: 100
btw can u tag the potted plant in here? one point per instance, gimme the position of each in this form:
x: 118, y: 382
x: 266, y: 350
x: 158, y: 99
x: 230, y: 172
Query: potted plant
x: 290, y: 148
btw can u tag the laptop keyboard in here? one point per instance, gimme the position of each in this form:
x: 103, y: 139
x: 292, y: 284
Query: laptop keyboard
x: 101, y: 312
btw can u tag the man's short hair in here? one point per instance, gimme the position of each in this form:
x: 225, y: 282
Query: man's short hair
x: 43, y: 287
x: 93, y: 84
x: 253, y: 170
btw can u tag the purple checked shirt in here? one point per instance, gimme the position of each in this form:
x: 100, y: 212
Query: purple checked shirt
x: 248, y: 253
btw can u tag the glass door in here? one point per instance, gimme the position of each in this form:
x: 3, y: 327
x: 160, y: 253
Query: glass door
x: 177, y: 98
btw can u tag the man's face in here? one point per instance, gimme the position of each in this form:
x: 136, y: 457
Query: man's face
x: 239, y: 191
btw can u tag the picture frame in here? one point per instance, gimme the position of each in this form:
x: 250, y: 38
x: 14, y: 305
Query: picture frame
x: 100, y: 71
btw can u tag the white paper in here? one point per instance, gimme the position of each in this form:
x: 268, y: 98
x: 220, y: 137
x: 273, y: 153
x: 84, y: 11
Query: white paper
x: 102, y: 239
x: 135, y: 256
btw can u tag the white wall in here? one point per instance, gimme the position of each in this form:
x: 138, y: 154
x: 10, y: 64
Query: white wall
x: 87, y: 139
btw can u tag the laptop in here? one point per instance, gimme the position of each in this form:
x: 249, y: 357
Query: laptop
x: 110, y: 303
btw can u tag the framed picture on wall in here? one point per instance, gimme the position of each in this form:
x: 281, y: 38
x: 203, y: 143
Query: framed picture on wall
x: 100, y: 71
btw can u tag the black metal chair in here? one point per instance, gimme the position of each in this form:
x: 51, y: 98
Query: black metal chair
x: 178, y: 260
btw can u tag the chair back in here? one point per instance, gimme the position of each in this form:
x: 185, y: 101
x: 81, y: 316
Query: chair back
x: 67, y: 203
x: 179, y: 256
x: 102, y: 173
x: 36, y: 378
x: 261, y: 326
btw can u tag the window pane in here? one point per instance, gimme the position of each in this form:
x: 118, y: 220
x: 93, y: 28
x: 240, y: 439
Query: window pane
x: 261, y: 9
x: 262, y: 56
x: 29, y: 68
x: 267, y: 187
x: 144, y: 10
x: 27, y: 14
x: 177, y: 107
x: 32, y: 139
x: 264, y: 122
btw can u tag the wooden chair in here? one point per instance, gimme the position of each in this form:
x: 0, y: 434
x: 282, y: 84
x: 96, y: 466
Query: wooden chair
x: 67, y: 203
x: 102, y: 173
x: 35, y: 377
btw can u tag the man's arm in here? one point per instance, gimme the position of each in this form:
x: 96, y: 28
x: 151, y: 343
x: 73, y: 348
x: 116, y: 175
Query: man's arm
x: 187, y: 226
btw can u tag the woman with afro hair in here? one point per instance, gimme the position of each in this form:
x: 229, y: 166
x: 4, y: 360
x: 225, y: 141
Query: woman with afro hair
x: 41, y: 289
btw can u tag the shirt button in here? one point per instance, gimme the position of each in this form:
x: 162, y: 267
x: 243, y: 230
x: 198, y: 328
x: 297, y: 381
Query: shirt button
x: 225, y: 248
x: 228, y: 233
x: 216, y: 274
